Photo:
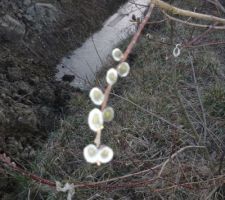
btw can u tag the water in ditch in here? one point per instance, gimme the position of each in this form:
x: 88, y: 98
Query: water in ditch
x: 83, y: 63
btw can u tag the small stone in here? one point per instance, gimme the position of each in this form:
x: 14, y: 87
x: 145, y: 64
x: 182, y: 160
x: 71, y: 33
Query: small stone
x: 27, y: 118
x: 68, y: 78
x: 23, y: 88
x: 42, y: 14
x: 11, y: 29
x: 34, y: 80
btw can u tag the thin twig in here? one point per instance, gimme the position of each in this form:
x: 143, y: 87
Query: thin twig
x: 199, y: 98
x: 217, y: 4
x: 155, y: 115
x: 193, y: 24
x: 174, y: 155
x: 199, y: 37
x: 187, y: 13
x: 97, y: 50
x: 8, y: 163
x: 195, y: 133
x: 205, y: 44
x: 125, y: 56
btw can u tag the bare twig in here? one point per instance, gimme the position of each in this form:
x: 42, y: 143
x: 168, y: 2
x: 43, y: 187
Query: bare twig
x: 6, y: 161
x: 193, y: 24
x: 156, y: 116
x: 96, y: 50
x: 220, y: 5
x: 217, y: 4
x: 125, y: 56
x: 129, y: 49
x: 199, y: 37
x: 174, y: 155
x: 165, y: 6
x: 200, y: 99
x: 194, y: 132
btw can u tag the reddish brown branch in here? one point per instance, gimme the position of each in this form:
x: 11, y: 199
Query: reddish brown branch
x: 7, y: 162
x: 109, y: 185
x: 129, y: 49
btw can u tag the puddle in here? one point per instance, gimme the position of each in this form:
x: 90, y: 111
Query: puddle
x: 83, y: 63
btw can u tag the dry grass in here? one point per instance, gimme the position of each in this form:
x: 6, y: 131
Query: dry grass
x: 161, y: 108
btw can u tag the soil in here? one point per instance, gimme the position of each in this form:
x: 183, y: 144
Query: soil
x: 34, y: 36
x: 31, y: 101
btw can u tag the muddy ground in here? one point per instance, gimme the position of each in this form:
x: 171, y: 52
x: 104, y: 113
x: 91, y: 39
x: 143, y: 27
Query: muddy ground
x: 34, y: 36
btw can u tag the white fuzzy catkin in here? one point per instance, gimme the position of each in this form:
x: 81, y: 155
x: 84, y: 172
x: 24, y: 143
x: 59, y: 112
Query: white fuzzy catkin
x: 105, y: 154
x: 111, y: 76
x: 95, y: 120
x: 117, y: 54
x: 108, y: 114
x: 123, y: 69
x: 90, y: 153
x: 97, y: 96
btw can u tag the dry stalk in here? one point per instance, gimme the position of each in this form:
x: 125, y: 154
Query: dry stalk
x: 200, y: 99
x: 174, y: 155
x: 193, y: 24
x: 165, y: 6
x: 130, y: 47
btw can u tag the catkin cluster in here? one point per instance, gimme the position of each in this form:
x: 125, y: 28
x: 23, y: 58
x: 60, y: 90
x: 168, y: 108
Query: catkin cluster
x: 98, y: 153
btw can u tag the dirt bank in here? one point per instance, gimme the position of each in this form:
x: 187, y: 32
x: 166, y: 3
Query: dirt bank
x: 157, y: 112
x: 34, y: 36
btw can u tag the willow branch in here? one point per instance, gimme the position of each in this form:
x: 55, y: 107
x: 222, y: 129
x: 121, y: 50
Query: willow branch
x: 217, y: 4
x: 6, y: 161
x: 220, y: 5
x: 193, y: 24
x: 165, y: 6
x: 134, y: 40
x: 129, y: 49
